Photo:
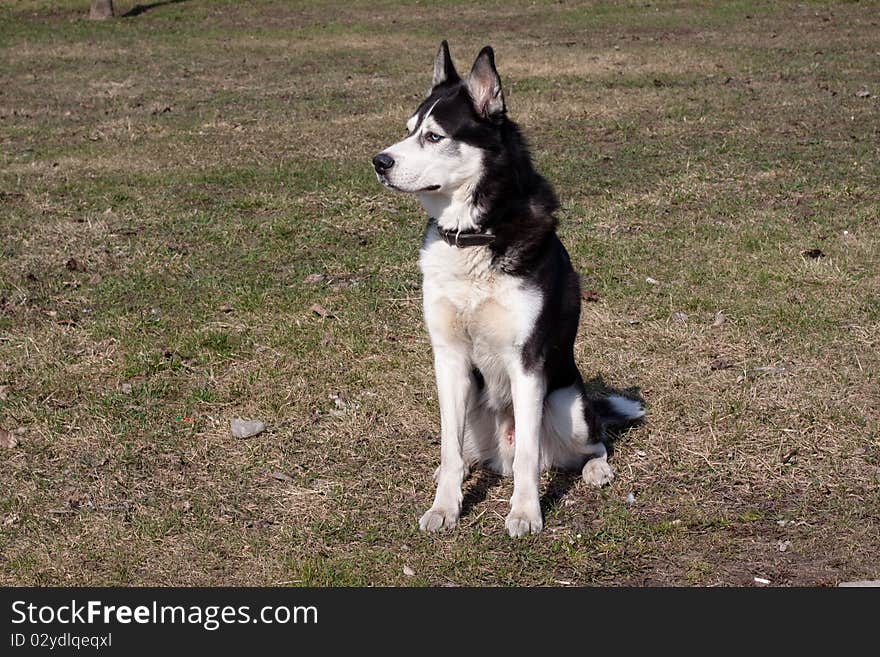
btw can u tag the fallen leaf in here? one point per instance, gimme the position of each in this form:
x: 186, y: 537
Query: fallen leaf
x: 318, y: 309
x: 864, y: 93
x: 680, y: 317
x: 225, y: 308
x: 813, y: 253
x: 246, y: 428
x: 313, y: 278
x: 590, y: 296
x: 8, y: 439
x: 652, y: 281
x: 4, y: 392
x: 409, y: 572
x: 720, y: 318
x: 326, y: 339
x: 280, y: 476
x: 720, y: 364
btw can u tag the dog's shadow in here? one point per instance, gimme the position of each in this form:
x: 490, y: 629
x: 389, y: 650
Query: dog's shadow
x: 561, y: 481
x: 478, y: 488
x: 483, y: 480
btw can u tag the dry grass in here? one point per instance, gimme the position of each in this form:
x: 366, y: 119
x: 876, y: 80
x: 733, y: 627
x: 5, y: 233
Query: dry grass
x: 199, y: 161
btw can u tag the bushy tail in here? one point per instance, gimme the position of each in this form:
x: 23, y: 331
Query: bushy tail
x: 613, y: 410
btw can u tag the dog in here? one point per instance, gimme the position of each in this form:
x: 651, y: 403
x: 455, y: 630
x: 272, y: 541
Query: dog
x: 501, y: 300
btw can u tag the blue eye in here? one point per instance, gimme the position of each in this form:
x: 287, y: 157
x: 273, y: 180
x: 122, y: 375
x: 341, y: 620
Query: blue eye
x: 433, y: 137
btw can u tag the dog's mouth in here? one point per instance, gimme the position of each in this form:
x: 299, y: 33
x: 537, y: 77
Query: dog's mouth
x: 384, y: 180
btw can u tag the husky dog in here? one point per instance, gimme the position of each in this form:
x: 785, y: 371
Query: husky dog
x: 501, y: 300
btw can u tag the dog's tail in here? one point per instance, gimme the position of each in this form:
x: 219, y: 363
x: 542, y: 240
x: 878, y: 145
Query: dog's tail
x: 615, y: 411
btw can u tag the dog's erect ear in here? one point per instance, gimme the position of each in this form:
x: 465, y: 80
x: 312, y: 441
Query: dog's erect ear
x: 484, y: 86
x: 444, y: 71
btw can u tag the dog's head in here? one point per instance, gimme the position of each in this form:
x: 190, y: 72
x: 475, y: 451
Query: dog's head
x: 449, y: 134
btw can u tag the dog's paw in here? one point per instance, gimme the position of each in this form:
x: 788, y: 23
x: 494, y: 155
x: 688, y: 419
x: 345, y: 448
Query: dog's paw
x: 438, y: 518
x: 597, y: 472
x: 520, y: 522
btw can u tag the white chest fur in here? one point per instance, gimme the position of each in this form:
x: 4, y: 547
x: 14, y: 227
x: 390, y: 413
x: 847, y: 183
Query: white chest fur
x: 475, y: 310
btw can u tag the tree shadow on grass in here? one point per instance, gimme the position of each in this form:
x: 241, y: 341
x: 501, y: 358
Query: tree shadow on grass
x: 137, y: 10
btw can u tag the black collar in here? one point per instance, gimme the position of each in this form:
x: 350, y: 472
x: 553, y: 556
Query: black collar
x: 463, y: 239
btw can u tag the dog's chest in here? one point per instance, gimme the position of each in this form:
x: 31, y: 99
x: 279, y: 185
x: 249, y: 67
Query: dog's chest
x: 471, y: 304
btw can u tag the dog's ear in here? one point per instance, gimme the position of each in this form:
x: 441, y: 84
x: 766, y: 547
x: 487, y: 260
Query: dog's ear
x: 484, y: 86
x: 444, y: 71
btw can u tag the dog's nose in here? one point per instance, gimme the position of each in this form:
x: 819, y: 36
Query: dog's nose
x: 383, y: 162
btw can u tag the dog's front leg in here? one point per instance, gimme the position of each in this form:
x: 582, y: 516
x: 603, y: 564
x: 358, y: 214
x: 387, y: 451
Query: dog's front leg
x: 528, y: 389
x: 452, y: 369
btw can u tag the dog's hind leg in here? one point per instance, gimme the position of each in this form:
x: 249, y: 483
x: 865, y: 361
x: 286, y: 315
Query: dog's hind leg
x: 480, y: 444
x: 567, y: 438
x: 596, y: 471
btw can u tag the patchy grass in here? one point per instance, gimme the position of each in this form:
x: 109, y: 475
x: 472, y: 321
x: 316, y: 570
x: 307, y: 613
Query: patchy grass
x: 169, y: 181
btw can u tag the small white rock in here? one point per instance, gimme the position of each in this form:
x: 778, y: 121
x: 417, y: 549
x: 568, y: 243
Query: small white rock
x: 761, y: 580
x: 631, y: 499
x: 246, y: 428
x: 652, y: 281
x: 409, y: 572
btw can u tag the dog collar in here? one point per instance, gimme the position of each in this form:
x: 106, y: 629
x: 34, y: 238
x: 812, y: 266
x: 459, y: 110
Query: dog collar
x: 464, y: 239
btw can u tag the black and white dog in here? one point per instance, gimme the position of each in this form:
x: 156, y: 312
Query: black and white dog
x: 501, y: 300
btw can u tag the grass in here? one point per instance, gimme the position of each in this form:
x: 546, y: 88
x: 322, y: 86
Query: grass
x: 169, y: 181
